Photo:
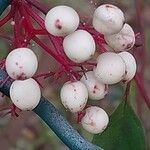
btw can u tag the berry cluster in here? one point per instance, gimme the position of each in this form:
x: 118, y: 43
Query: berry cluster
x: 75, y: 45
x: 79, y: 46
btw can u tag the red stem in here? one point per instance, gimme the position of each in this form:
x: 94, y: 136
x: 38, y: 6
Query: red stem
x: 36, y: 17
x: 17, y: 31
x: 141, y: 89
x: 44, y: 75
x: 140, y: 22
x: 43, y: 8
x: 8, y: 17
x: 48, y: 50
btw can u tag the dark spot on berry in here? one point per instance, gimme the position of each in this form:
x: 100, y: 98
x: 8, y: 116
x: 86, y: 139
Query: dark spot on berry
x: 80, y: 115
x: 129, y: 45
x: 91, y: 55
x: 17, y: 63
x: 109, y: 6
x: 58, y: 24
x: 91, y: 123
x: 22, y: 76
x: 94, y: 91
x: 95, y: 87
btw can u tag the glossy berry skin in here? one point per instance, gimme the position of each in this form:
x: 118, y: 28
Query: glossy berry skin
x: 95, y: 120
x: 131, y: 65
x: 122, y: 41
x: 110, y: 68
x: 61, y: 20
x: 96, y: 89
x: 25, y: 94
x: 21, y: 63
x: 74, y: 96
x: 108, y: 19
x: 79, y: 46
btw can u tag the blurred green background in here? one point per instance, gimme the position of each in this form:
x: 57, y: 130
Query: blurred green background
x: 27, y: 132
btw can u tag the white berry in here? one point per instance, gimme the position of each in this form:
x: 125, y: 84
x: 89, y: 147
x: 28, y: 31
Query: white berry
x: 21, y: 63
x: 108, y: 19
x: 61, y: 20
x: 79, y: 46
x: 96, y: 89
x: 110, y: 68
x: 74, y: 96
x: 122, y: 41
x: 25, y: 94
x: 130, y: 65
x: 95, y: 120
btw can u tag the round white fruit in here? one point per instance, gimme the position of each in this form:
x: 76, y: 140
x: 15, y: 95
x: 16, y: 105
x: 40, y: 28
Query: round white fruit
x: 122, y: 41
x: 61, y: 20
x: 108, y: 19
x: 130, y: 65
x: 95, y: 120
x: 79, y: 46
x: 96, y: 89
x: 25, y: 94
x: 21, y: 63
x: 110, y: 68
x: 74, y: 96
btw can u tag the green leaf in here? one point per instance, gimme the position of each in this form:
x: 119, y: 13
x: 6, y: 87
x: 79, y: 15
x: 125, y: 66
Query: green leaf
x: 124, y: 131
